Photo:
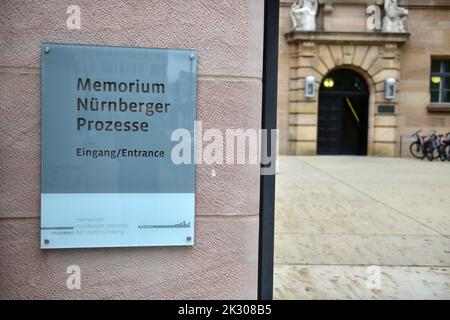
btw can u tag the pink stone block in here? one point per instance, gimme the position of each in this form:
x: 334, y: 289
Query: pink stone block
x: 234, y: 190
x: 224, y: 188
x: 229, y: 104
x: 227, y: 34
x: 19, y: 182
x: 222, y: 265
x: 20, y: 110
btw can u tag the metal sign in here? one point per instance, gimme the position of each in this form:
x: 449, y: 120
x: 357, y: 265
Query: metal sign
x: 386, y: 109
x: 107, y: 176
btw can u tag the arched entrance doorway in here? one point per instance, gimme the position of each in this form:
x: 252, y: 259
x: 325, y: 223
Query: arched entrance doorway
x: 343, y: 114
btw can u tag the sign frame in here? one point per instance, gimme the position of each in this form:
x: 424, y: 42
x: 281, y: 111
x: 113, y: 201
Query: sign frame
x: 128, y: 213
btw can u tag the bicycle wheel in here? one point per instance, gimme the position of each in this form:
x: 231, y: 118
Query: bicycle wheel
x: 429, y: 150
x: 442, y: 154
x: 447, y: 152
x: 436, y: 153
x: 416, y: 150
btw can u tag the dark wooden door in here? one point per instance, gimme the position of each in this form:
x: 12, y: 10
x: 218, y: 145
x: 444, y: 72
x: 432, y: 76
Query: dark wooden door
x: 329, y: 126
x: 343, y: 115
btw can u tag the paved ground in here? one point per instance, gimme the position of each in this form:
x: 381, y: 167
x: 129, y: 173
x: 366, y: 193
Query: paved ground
x: 335, y: 216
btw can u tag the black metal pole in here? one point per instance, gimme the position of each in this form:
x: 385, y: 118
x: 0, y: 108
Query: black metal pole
x: 269, y: 121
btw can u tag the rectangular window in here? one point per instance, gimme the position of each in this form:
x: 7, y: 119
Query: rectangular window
x: 440, y: 81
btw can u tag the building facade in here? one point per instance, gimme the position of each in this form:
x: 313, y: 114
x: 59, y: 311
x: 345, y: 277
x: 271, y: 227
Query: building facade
x: 351, y: 55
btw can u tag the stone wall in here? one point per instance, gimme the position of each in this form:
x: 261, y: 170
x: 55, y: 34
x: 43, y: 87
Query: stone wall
x: 430, y: 37
x: 223, y: 263
x: 283, y: 79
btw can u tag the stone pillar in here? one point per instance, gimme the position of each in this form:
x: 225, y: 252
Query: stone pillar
x: 385, y: 125
x: 303, y: 111
x: 223, y: 264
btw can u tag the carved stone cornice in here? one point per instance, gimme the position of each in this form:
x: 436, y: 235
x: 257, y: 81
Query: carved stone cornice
x: 345, y: 37
x: 368, y: 2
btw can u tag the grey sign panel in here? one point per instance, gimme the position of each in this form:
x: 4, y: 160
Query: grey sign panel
x: 108, y: 115
x: 107, y: 118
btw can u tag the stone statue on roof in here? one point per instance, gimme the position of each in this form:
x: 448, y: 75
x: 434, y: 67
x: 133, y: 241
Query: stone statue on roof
x: 303, y: 14
x: 394, y: 17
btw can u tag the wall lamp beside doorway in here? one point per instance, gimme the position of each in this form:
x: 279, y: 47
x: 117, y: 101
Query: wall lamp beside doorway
x: 310, y: 87
x: 390, y: 88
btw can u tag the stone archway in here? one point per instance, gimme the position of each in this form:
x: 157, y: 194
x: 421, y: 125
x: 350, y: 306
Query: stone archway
x: 375, y: 56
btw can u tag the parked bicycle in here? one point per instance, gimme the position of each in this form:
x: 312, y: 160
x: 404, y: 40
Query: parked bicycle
x: 446, y: 143
x: 433, y: 147
x: 417, y: 148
